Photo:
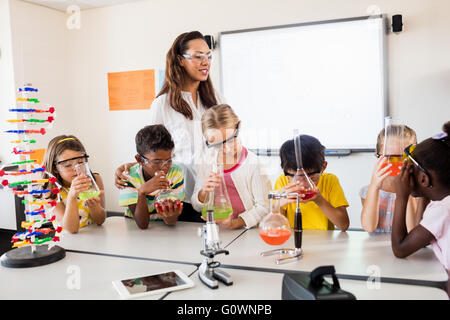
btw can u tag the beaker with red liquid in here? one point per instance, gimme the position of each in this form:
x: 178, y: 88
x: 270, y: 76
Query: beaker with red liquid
x: 308, y: 188
x: 274, y: 228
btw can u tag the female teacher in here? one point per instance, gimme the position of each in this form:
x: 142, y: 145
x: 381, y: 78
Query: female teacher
x: 186, y: 94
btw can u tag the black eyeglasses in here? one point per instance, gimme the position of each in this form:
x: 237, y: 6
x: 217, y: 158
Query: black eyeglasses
x: 389, y: 155
x: 70, y: 163
x: 308, y: 173
x: 234, y: 136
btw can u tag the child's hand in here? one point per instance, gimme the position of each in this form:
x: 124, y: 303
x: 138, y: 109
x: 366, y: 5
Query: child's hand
x: 79, y: 184
x: 212, y: 181
x: 231, y: 223
x: 158, y: 182
x: 379, y: 173
x: 404, y: 182
x: 94, y: 202
x: 306, y: 197
x: 293, y: 187
x: 169, y: 210
x: 121, y: 175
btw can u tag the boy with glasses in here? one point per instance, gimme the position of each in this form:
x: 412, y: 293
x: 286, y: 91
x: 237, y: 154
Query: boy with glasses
x: 329, y: 206
x: 153, y: 173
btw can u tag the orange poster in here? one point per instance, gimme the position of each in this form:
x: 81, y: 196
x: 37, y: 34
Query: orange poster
x: 131, y: 90
x: 37, y: 155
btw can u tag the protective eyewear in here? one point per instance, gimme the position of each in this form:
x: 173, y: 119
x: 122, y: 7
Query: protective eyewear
x: 409, y: 155
x: 219, y: 144
x: 69, y: 164
x: 198, y: 57
x: 157, y: 163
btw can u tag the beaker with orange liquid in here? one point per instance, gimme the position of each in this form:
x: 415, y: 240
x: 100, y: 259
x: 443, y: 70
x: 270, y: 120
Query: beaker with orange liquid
x: 393, y: 145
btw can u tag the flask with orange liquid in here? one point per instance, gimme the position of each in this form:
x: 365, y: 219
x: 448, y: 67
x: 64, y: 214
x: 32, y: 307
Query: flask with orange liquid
x: 274, y: 229
x: 393, y: 145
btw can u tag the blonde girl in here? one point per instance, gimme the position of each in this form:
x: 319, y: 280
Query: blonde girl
x: 378, y: 198
x: 245, y: 178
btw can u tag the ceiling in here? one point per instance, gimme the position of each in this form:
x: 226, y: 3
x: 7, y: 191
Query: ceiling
x: 83, y: 4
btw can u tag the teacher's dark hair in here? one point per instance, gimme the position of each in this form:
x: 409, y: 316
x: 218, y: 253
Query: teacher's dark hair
x: 175, y: 75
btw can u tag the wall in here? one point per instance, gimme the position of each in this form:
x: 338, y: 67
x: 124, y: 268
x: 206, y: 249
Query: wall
x: 34, y: 49
x: 137, y: 36
x: 7, y: 98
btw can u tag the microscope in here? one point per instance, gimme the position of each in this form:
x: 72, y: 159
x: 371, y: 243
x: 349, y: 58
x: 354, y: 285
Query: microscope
x: 209, y: 272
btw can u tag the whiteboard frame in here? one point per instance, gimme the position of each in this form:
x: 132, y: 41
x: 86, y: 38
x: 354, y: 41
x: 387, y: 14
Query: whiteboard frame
x: 384, y: 78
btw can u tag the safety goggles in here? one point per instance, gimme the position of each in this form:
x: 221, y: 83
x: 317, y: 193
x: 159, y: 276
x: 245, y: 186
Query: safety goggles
x: 69, y: 164
x: 409, y: 150
x: 157, y: 163
x: 310, y: 174
x: 219, y: 144
x: 199, y: 57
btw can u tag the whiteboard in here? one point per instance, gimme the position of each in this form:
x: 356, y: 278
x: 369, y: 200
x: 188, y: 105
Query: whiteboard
x: 326, y: 79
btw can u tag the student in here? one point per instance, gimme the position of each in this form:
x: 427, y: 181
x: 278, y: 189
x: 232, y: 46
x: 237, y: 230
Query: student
x: 154, y: 171
x: 426, y: 173
x: 329, y: 206
x: 62, y: 155
x: 246, y: 181
x: 378, y: 198
x: 186, y: 94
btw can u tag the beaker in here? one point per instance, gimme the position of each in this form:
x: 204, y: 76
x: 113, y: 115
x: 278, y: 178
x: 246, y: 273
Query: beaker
x: 308, y: 188
x: 393, y: 146
x: 94, y: 191
x: 167, y: 195
x: 218, y: 200
x: 274, y: 228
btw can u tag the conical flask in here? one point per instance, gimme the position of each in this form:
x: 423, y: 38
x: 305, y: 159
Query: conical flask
x: 218, y: 200
x: 274, y: 229
x: 308, y: 188
x: 394, y: 144
x: 94, y: 191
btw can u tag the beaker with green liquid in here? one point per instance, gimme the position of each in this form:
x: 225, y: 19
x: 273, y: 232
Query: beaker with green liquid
x: 94, y: 190
x: 218, y: 200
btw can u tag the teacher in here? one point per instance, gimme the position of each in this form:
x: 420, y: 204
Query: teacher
x: 186, y: 94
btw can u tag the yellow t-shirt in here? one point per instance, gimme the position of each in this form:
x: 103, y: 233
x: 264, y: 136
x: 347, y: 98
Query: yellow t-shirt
x: 312, y: 216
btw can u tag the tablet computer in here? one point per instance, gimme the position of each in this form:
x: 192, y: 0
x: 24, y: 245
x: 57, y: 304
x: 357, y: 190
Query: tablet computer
x: 157, y: 283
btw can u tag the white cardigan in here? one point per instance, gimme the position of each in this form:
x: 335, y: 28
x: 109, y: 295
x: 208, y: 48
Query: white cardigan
x: 187, y: 134
x: 252, y: 184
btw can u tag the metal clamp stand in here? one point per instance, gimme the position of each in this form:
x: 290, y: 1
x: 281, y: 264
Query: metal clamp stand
x: 297, y: 252
x: 209, y: 271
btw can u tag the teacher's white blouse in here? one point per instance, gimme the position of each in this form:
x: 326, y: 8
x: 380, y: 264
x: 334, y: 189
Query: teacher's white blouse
x: 190, y: 148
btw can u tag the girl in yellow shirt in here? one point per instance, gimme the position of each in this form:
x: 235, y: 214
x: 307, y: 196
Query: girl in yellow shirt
x: 329, y: 206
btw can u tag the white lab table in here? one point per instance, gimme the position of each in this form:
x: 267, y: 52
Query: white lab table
x: 355, y: 255
x: 96, y: 273
x: 121, y: 236
x: 119, y: 249
x: 259, y: 285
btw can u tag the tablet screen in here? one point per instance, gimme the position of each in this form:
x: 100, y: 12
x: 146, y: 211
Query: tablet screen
x: 154, y: 282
